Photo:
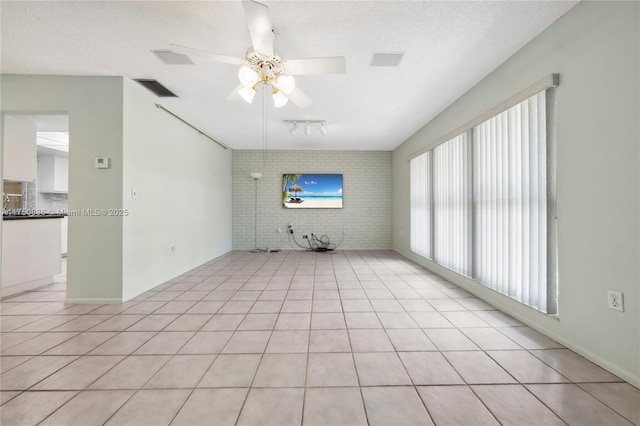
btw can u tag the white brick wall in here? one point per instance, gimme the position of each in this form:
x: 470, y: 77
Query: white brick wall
x: 366, y: 212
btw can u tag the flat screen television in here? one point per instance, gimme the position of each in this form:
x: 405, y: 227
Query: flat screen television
x: 312, y: 191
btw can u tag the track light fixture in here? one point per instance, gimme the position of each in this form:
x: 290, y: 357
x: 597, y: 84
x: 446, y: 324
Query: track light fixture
x: 295, y: 129
x: 308, y: 124
x: 323, y: 129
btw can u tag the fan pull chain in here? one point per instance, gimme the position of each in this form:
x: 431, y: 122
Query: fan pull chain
x: 264, y: 126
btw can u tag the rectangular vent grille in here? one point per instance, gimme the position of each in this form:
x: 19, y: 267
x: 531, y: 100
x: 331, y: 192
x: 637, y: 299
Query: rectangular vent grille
x: 157, y: 88
x: 386, y: 59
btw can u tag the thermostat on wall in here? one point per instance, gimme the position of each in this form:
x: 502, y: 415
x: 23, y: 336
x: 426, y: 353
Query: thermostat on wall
x: 102, y: 162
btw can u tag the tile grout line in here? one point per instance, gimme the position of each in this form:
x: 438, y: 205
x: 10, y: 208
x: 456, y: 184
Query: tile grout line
x: 204, y: 372
x: 306, y: 369
x: 601, y: 401
x: 353, y: 359
x: 373, y: 268
x: 110, y: 369
x: 413, y: 385
x: 246, y: 397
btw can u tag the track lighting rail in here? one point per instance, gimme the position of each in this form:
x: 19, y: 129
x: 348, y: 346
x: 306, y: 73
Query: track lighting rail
x: 307, y: 126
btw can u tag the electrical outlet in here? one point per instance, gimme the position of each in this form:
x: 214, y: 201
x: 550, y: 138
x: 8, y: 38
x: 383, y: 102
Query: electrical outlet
x: 279, y: 230
x: 615, y: 300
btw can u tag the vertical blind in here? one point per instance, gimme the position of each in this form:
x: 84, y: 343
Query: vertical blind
x: 420, y: 187
x: 511, y: 203
x: 451, y: 201
x: 479, y: 204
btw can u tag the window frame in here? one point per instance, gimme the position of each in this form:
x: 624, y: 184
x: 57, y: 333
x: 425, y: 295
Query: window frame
x: 548, y: 84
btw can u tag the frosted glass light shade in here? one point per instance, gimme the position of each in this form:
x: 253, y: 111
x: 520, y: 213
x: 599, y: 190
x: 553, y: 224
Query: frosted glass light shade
x: 247, y: 93
x: 279, y: 100
x: 247, y: 76
x: 286, y: 83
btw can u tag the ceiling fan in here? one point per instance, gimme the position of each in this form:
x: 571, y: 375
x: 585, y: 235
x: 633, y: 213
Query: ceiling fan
x: 262, y: 66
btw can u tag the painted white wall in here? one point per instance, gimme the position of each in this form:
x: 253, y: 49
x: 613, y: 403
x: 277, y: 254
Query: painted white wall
x: 366, y: 212
x: 183, y: 178
x: 94, y: 106
x: 595, y: 48
x: 183, y: 185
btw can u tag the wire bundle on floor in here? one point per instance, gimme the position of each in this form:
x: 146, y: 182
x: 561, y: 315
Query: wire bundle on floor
x: 320, y: 244
x: 316, y: 244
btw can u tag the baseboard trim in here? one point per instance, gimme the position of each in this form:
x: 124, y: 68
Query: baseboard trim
x: 580, y: 350
x: 15, y: 289
x: 504, y: 307
x: 307, y: 250
x: 92, y: 301
x: 127, y: 296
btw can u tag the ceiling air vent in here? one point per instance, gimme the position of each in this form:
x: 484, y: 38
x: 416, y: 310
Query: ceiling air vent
x: 156, y: 88
x: 172, y: 58
x: 386, y: 59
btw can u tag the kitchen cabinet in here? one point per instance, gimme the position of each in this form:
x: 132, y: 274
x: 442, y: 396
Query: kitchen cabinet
x: 20, y: 154
x: 53, y: 172
x: 30, y: 253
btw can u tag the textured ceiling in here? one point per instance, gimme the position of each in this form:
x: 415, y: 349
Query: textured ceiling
x: 448, y: 47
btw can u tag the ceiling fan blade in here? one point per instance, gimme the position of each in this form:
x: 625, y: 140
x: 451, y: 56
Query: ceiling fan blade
x: 260, y: 28
x: 299, y: 98
x: 200, y: 56
x: 311, y: 66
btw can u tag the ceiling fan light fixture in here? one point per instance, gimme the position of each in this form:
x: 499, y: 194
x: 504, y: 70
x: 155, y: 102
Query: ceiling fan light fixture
x: 323, y: 129
x: 247, y: 93
x: 286, y: 83
x: 279, y: 100
x: 247, y: 76
x: 307, y: 129
x: 295, y: 129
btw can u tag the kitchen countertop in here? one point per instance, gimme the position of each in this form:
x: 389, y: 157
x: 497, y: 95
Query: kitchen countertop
x: 35, y: 216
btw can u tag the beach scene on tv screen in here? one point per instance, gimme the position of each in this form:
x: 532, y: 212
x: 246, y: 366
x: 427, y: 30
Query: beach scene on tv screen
x: 312, y: 191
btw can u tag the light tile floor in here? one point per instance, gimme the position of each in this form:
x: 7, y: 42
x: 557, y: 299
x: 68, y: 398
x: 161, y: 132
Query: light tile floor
x: 354, y: 337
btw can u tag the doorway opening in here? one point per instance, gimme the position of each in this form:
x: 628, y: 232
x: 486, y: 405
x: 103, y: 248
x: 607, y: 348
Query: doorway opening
x: 35, y: 206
